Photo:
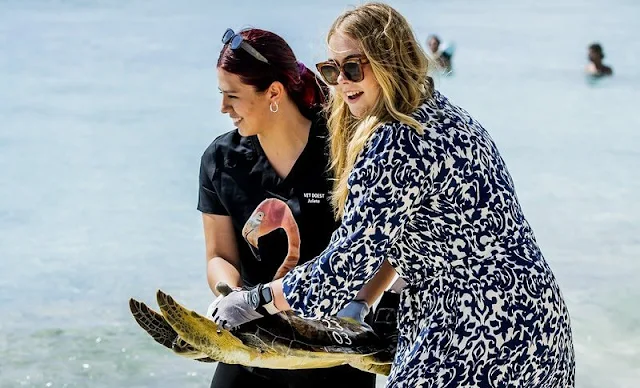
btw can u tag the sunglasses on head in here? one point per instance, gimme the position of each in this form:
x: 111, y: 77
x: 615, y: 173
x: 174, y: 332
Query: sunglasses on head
x: 237, y: 41
x: 351, y: 68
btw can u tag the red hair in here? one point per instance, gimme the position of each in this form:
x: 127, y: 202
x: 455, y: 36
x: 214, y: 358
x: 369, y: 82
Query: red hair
x: 304, y: 88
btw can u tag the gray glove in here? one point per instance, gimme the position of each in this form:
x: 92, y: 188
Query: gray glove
x: 356, y: 310
x: 224, y: 290
x: 234, y: 309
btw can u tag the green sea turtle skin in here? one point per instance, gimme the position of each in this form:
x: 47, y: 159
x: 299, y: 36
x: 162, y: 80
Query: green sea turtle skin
x: 281, y: 341
x: 161, y: 331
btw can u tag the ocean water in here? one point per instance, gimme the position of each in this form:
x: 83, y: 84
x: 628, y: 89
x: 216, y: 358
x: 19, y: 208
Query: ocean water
x: 106, y: 107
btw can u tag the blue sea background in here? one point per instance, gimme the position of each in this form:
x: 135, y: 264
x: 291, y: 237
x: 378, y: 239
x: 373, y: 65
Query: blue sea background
x: 106, y: 107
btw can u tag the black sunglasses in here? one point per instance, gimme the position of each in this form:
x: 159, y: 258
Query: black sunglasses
x: 237, y: 41
x: 351, y: 68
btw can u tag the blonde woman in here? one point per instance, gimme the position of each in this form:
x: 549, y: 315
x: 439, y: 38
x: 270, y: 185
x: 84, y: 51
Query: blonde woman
x: 420, y: 184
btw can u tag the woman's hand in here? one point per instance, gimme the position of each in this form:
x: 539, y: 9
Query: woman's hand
x: 234, y: 310
x: 223, y: 290
x: 355, y: 311
x: 235, y: 307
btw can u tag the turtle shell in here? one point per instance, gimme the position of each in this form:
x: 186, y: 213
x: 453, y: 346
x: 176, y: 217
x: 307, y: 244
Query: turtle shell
x: 331, y: 335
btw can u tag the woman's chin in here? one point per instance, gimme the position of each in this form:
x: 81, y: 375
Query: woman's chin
x: 357, y: 111
x: 244, y: 130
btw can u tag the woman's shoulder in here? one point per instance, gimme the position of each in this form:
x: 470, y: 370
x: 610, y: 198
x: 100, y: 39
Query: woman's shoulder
x: 429, y: 115
x: 440, y: 117
x: 435, y: 109
x: 224, y: 147
x: 442, y: 125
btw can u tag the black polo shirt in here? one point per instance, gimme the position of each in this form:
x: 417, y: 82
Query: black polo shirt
x: 235, y: 176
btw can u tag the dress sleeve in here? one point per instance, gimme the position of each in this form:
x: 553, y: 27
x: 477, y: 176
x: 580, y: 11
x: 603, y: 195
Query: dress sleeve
x: 387, y: 181
x: 208, y: 199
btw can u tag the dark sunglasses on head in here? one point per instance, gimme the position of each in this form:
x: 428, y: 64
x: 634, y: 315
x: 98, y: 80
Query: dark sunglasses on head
x: 351, y: 68
x: 237, y: 41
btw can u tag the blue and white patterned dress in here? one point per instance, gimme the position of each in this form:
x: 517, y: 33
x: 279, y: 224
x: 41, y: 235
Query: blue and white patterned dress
x: 482, y: 307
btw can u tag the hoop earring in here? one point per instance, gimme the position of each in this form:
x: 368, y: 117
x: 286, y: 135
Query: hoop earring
x: 272, y: 109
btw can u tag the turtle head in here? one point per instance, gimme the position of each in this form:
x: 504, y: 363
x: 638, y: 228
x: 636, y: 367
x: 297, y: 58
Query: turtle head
x: 223, y: 288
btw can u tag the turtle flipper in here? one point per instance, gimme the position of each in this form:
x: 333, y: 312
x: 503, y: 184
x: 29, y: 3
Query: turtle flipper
x: 160, y: 330
x: 379, y: 369
x: 204, y: 334
x: 153, y: 323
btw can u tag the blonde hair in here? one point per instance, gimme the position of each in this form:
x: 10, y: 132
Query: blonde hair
x: 400, y: 67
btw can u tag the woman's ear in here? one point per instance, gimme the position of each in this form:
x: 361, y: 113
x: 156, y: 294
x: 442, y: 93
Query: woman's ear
x: 276, y: 91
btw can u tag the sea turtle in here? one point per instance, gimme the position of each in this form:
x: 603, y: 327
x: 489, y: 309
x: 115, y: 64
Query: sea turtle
x: 280, y: 341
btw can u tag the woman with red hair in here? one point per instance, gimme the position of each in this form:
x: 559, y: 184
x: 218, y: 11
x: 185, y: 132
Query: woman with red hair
x: 278, y: 150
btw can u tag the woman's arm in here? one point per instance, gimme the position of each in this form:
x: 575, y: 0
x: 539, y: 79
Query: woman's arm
x: 374, y: 288
x: 223, y: 262
x: 391, y: 176
x: 278, y: 295
x: 370, y: 292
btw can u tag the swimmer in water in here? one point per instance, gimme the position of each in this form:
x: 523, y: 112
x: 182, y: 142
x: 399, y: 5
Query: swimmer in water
x: 441, y: 56
x: 595, y: 67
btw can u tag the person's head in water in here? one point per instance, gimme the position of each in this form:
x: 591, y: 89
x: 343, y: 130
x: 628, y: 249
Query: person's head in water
x: 434, y: 43
x: 259, y: 78
x: 595, y: 54
x: 595, y: 67
x: 378, y: 71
